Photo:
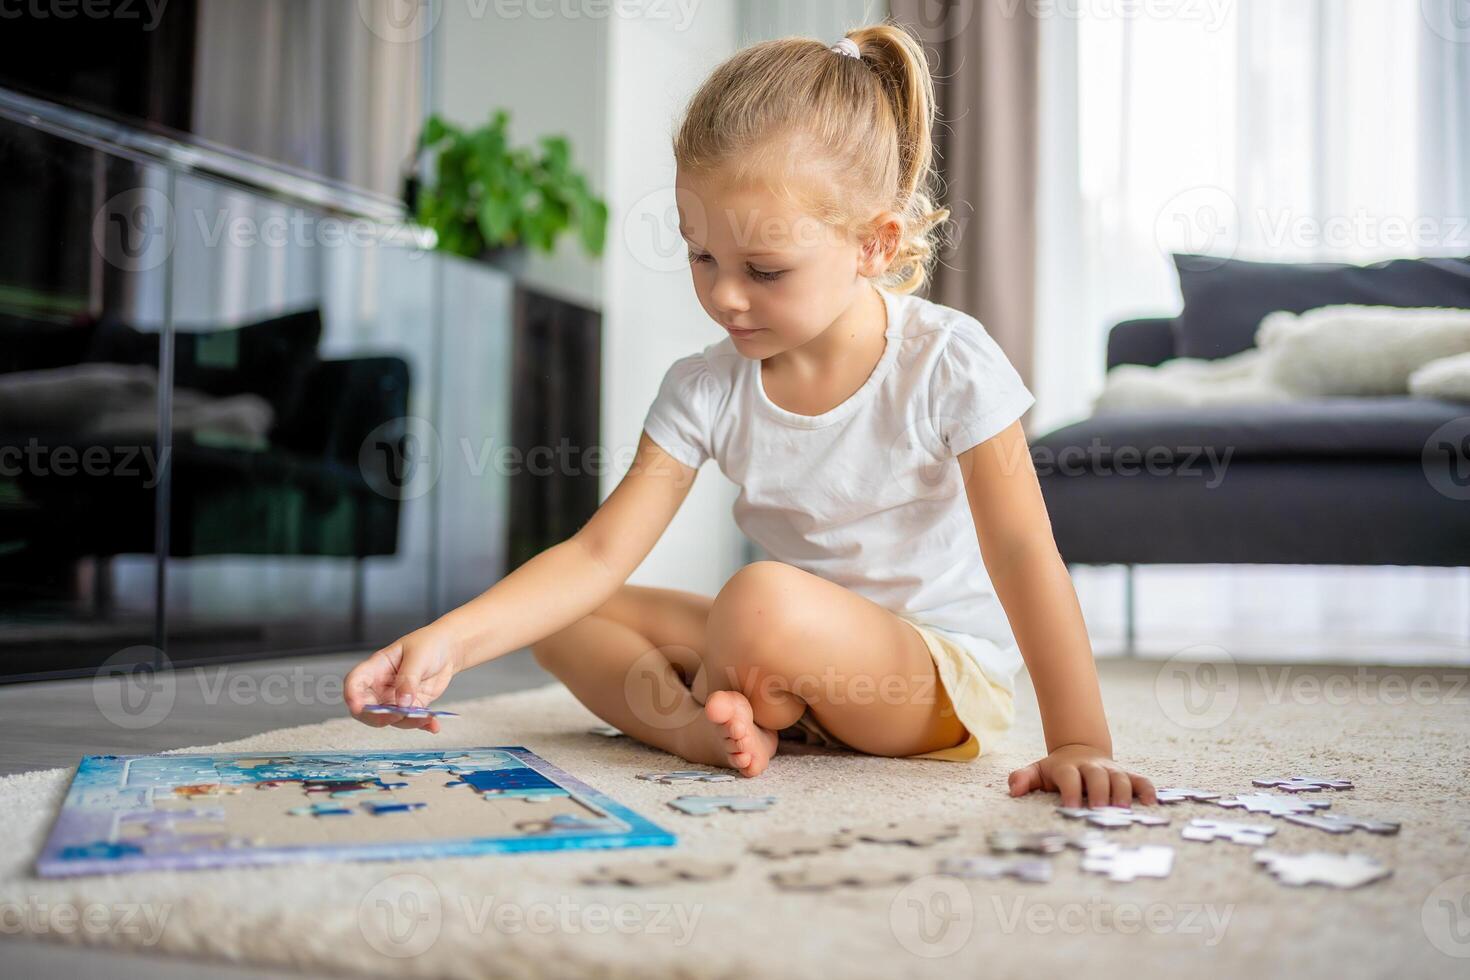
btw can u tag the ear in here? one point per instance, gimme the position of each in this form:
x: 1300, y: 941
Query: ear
x: 880, y: 243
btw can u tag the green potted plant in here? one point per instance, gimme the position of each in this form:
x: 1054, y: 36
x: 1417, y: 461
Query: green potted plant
x: 489, y: 198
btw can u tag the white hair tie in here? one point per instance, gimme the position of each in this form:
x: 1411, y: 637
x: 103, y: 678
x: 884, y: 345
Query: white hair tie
x: 848, y: 47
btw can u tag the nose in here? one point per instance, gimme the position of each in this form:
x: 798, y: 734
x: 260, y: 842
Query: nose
x: 728, y: 295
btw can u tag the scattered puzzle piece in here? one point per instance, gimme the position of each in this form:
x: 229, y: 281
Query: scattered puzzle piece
x: 794, y: 843
x: 1339, y: 823
x: 1181, y: 794
x: 822, y: 876
x: 914, y: 833
x: 1127, y: 863
x: 1111, y: 817
x: 703, y: 806
x: 1322, y: 868
x: 1036, y: 870
x: 1041, y: 841
x: 662, y: 872
x: 1202, y: 829
x: 1272, y: 803
x: 1304, y: 784
x: 687, y: 776
x: 606, y: 731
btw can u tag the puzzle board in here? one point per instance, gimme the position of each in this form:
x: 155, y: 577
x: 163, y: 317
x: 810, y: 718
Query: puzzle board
x: 151, y: 812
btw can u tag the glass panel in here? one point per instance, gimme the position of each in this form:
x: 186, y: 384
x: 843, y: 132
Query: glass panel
x: 304, y: 490
x: 83, y: 251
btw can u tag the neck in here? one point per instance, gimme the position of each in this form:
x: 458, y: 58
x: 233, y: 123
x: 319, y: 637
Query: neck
x: 856, y: 334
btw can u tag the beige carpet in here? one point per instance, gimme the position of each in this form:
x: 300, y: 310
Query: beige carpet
x: 527, y: 916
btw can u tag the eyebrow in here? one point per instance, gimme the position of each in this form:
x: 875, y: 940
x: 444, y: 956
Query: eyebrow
x: 750, y: 254
x: 765, y: 251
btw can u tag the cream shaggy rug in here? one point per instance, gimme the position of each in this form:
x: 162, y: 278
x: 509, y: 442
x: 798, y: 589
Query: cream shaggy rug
x: 524, y: 916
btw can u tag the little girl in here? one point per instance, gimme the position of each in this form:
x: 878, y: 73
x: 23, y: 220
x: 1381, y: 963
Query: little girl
x: 874, y: 437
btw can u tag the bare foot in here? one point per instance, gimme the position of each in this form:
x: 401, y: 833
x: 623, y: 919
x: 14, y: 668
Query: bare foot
x: 746, y: 746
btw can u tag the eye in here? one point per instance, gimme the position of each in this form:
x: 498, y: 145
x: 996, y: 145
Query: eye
x: 758, y: 275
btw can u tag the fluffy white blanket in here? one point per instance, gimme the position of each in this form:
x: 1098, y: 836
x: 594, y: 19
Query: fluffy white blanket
x: 1330, y: 351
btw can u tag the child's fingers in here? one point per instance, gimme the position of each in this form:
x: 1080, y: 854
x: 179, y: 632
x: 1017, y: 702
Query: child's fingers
x: 1122, y: 788
x: 1025, y: 779
x: 1069, y: 784
x: 1144, y: 790
x: 1099, y: 785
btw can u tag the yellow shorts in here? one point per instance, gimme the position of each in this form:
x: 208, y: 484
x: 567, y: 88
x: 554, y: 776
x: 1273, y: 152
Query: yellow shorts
x: 984, y: 707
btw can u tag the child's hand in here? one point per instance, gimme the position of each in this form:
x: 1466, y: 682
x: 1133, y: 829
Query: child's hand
x: 411, y: 671
x: 1071, y: 769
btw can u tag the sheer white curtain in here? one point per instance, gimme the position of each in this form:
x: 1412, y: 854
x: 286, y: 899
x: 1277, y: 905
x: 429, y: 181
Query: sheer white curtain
x: 1333, y: 130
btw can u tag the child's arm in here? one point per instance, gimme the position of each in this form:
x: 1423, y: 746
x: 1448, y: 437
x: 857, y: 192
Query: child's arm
x: 1033, y: 585
x: 550, y: 591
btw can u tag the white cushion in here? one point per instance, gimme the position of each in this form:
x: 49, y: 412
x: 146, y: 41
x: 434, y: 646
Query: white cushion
x: 1448, y: 377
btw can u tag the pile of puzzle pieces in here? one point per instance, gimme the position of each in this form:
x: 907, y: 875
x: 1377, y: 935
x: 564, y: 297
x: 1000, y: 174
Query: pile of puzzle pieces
x: 1027, y: 856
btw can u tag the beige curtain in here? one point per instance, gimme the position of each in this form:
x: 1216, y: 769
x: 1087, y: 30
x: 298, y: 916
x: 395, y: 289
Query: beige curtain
x: 984, y: 57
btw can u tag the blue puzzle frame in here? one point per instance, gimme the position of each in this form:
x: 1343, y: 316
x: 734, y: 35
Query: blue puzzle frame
x: 83, y: 839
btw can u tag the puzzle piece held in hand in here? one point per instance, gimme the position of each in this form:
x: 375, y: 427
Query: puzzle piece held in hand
x: 1111, y: 817
x: 687, y: 776
x: 1041, y: 841
x: 822, y: 876
x: 1303, y: 784
x: 1272, y: 803
x: 796, y: 842
x: 408, y: 712
x: 665, y: 871
x: 1183, y: 794
x: 1202, y: 829
x: 1036, y: 870
x: 1322, y: 868
x: 1341, y: 823
x: 703, y: 806
x: 914, y: 833
x: 1127, y: 863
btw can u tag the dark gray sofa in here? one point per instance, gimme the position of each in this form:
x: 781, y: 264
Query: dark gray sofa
x: 1331, y: 481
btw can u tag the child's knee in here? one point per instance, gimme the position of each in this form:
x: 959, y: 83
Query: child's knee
x: 755, y: 617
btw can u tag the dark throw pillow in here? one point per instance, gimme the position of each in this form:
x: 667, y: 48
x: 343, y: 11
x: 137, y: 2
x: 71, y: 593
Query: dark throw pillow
x: 1225, y: 300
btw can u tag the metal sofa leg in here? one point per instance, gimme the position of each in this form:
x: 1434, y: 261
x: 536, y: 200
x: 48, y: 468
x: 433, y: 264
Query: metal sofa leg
x: 1130, y: 611
x: 359, y: 600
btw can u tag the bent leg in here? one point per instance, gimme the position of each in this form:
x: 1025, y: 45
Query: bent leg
x: 788, y: 640
x: 631, y: 663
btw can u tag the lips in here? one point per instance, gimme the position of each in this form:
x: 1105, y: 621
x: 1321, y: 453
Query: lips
x: 738, y: 332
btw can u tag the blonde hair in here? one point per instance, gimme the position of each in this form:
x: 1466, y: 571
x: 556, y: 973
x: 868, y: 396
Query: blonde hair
x: 857, y: 133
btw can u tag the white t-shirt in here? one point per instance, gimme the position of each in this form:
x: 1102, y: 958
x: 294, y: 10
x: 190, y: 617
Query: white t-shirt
x: 869, y: 494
